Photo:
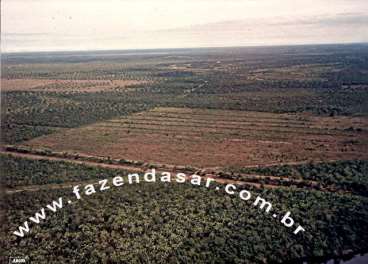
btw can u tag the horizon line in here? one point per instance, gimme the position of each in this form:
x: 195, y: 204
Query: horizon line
x: 185, y: 48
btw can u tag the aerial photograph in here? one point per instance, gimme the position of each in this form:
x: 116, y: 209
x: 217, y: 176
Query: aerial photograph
x: 172, y: 131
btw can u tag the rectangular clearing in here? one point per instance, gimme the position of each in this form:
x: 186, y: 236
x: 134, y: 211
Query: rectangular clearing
x: 50, y: 85
x: 216, y: 138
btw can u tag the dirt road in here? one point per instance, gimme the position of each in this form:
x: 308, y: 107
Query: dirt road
x: 247, y: 179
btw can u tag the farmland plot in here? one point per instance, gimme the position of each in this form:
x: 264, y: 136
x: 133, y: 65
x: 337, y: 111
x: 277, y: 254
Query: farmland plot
x: 216, y: 138
x: 50, y: 85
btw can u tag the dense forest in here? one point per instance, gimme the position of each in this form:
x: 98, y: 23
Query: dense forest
x: 156, y: 222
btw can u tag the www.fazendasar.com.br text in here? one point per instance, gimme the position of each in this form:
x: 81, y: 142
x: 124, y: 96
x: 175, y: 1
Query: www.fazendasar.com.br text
x: 151, y: 176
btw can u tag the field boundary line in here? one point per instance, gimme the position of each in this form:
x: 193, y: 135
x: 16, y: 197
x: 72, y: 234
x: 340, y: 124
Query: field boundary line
x: 219, y: 176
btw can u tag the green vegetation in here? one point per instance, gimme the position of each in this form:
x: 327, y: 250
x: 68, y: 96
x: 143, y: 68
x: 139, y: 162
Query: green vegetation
x: 174, y: 222
x: 184, y: 224
x: 33, y: 114
x: 343, y: 175
x: 20, y: 172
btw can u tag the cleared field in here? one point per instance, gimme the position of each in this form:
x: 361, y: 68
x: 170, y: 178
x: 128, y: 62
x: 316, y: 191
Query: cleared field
x: 23, y: 84
x: 295, y: 72
x: 216, y: 138
x: 64, y: 85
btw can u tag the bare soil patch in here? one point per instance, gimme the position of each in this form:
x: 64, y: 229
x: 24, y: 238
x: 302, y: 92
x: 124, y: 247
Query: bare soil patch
x: 65, y: 85
x: 216, y: 138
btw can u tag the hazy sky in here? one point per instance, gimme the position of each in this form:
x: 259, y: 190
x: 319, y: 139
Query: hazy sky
x: 32, y: 25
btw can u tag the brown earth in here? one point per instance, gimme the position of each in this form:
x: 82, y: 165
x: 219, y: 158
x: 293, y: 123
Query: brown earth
x: 64, y: 85
x: 216, y: 138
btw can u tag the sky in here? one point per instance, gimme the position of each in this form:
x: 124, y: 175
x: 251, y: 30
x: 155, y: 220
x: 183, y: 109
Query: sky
x: 58, y: 25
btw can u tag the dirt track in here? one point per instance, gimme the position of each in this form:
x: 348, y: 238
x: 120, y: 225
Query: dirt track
x: 202, y: 172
